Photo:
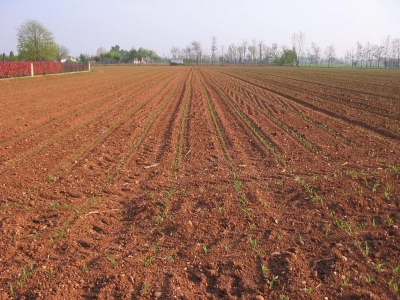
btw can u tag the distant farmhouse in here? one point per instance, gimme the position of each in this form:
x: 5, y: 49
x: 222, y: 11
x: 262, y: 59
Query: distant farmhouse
x: 176, y: 61
x: 68, y: 59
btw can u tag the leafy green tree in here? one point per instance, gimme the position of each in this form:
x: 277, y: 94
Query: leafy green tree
x: 12, y: 57
x: 133, y: 54
x: 115, y: 48
x: 84, y: 57
x: 116, y: 56
x: 289, y: 57
x: 35, y: 42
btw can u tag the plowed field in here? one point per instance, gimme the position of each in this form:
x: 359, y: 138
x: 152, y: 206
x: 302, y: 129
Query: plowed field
x: 201, y: 183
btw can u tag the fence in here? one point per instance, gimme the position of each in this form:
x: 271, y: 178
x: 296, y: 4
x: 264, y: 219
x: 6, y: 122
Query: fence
x: 20, y: 69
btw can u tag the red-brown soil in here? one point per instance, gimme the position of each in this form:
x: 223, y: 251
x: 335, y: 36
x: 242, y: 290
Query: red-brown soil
x: 201, y: 183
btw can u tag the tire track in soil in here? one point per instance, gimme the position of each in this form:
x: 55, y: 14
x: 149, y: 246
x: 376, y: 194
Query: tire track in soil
x: 94, y: 124
x: 146, y: 212
x: 271, y: 99
x: 359, y: 135
x: 341, y: 125
x: 371, y: 85
x: 44, y: 107
x: 134, y: 205
x: 256, y: 197
x: 344, y: 104
x: 58, y: 152
x: 42, y: 104
x: 83, y: 108
x: 331, y: 97
x: 107, y: 224
x: 280, y: 192
x: 140, y: 113
x: 360, y: 126
x: 130, y: 235
x: 288, y: 193
x: 112, y: 161
x: 329, y: 147
x: 278, y: 125
x: 71, y: 213
x: 292, y: 195
x: 213, y: 159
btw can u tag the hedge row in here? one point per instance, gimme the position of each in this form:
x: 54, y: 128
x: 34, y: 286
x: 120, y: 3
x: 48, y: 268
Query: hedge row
x: 75, y: 67
x: 48, y: 67
x: 14, y: 69
x: 18, y: 69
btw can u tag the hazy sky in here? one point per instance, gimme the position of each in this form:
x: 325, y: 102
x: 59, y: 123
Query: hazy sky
x: 85, y: 25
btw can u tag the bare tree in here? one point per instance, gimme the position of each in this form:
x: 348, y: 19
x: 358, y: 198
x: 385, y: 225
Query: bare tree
x: 240, y: 52
x: 253, y: 49
x: 62, y: 52
x: 101, y: 51
x: 235, y: 53
x: 214, y: 48
x: 301, y: 39
x: 188, y: 53
x: 316, y: 53
x: 260, y: 50
x: 275, y: 51
x: 196, y: 46
x: 244, y: 47
x: 359, y: 54
x: 267, y: 53
x: 294, y: 41
x: 377, y: 51
x: 232, y: 52
x: 368, y: 54
x: 348, y: 61
x: 330, y: 54
x: 174, y: 51
x: 222, y: 49
x: 352, y: 53
x: 386, y: 46
x: 396, y: 51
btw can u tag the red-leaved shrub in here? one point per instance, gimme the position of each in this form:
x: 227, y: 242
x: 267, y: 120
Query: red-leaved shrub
x: 18, y: 69
x: 14, y: 69
x: 47, y: 67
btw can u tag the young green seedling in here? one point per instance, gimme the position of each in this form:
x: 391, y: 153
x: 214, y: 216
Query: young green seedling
x: 370, y: 279
x: 111, y: 259
x: 272, y: 281
x: 145, y: 287
x: 375, y: 187
x: 238, y: 185
x: 147, y: 261
x: 387, y: 191
x: 169, y: 258
x: 366, y: 248
x: 264, y: 269
x: 345, y: 281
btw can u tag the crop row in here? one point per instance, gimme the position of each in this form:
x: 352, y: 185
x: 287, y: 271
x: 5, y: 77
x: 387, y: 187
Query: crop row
x: 203, y: 170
